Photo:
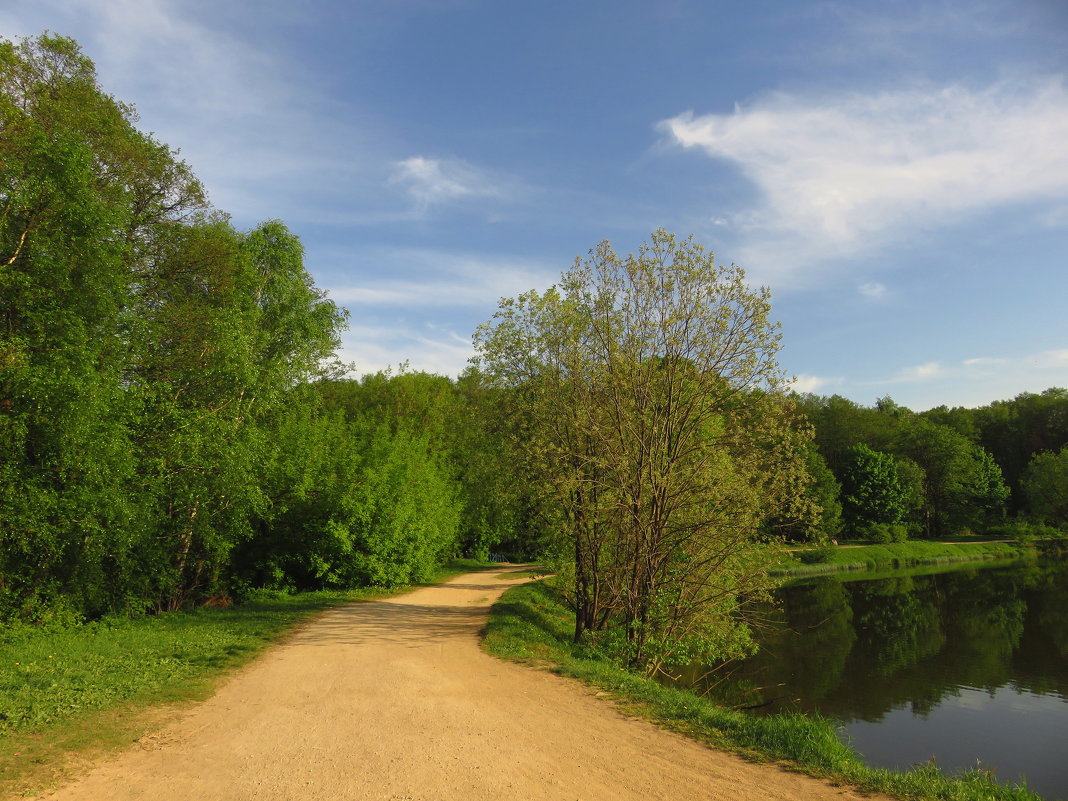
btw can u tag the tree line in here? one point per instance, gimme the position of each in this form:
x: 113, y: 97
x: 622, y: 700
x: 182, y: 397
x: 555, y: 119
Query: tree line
x: 886, y: 473
x: 175, y: 427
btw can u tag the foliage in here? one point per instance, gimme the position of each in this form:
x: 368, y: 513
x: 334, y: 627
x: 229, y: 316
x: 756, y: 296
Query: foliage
x: 872, y: 492
x: 963, y: 486
x: 168, y: 426
x: 823, y: 492
x: 882, y: 533
x: 1014, y: 431
x: 1026, y: 531
x: 652, y: 395
x: 1045, y: 485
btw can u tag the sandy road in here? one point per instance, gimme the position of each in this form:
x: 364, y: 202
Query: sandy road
x: 393, y: 700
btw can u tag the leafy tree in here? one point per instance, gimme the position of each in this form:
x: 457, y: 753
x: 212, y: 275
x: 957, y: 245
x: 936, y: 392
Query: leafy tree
x: 1045, y: 485
x: 841, y: 423
x: 824, y: 493
x: 963, y: 487
x: 658, y: 423
x: 1014, y: 431
x: 145, y: 349
x: 872, y: 492
x: 71, y: 168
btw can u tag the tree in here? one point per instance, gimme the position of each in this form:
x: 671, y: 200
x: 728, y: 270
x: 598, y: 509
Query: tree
x: 872, y: 493
x: 1014, y: 431
x: 145, y: 350
x: 1045, y: 485
x: 841, y: 423
x: 824, y: 492
x: 658, y: 422
x: 963, y: 486
x: 78, y: 185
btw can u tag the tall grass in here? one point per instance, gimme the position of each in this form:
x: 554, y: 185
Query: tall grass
x: 529, y: 625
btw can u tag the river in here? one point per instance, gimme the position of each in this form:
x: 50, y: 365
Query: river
x: 965, y: 667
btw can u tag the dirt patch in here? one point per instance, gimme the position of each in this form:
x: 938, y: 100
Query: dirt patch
x: 393, y: 700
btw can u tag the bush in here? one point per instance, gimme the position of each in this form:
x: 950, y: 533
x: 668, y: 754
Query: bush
x: 1026, y: 531
x: 885, y: 533
x: 818, y: 555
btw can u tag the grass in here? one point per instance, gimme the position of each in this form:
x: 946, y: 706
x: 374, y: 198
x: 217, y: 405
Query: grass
x: 69, y: 695
x: 895, y: 555
x: 529, y: 625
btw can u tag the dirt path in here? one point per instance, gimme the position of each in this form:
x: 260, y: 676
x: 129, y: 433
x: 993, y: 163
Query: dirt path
x: 393, y: 700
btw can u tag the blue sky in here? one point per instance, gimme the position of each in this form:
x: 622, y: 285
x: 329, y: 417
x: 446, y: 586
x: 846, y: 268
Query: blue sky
x: 896, y: 172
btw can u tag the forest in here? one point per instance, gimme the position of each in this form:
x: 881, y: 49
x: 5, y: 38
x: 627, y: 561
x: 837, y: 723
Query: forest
x: 176, y: 429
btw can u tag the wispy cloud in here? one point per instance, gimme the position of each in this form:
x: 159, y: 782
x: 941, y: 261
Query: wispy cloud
x: 842, y: 174
x: 921, y: 372
x: 430, y: 182
x: 872, y: 290
x: 1056, y: 217
x: 975, y: 381
x: 429, y: 348
x: 459, y: 280
x: 245, y: 113
x: 983, y: 361
x: 1050, y: 358
x: 810, y: 383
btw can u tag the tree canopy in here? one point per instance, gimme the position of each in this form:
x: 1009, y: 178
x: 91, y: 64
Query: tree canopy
x: 659, y: 425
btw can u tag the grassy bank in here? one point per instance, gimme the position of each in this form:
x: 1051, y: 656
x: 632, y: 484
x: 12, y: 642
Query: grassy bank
x: 832, y: 559
x: 529, y: 625
x: 70, y: 694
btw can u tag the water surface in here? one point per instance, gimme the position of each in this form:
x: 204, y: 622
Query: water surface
x: 963, y: 667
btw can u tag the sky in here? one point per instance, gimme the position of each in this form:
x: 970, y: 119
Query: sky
x: 895, y: 172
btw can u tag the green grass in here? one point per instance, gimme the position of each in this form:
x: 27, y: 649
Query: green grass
x: 896, y: 555
x: 69, y: 693
x: 529, y: 625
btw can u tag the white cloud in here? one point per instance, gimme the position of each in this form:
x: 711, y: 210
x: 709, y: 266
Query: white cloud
x: 843, y: 174
x: 1050, y: 358
x: 921, y: 372
x: 436, y: 350
x: 254, y: 124
x: 809, y: 383
x: 872, y: 290
x: 430, y: 182
x: 460, y: 280
x: 983, y: 361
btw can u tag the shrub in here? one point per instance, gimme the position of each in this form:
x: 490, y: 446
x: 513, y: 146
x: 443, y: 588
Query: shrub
x: 818, y: 555
x: 884, y: 533
x: 1025, y: 531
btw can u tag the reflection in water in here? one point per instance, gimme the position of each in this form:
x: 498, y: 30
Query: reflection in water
x: 961, y: 666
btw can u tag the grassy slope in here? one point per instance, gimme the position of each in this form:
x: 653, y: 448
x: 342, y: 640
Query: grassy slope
x: 899, y: 554
x: 528, y: 625
x: 69, y: 695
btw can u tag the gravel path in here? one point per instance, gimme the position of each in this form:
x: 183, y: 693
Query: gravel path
x: 393, y: 700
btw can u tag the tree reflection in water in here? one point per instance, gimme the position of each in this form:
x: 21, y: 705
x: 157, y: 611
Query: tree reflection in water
x: 867, y: 652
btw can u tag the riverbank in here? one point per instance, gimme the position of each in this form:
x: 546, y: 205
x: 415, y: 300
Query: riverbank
x: 394, y: 699
x: 835, y: 559
x: 529, y: 625
x: 69, y: 695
